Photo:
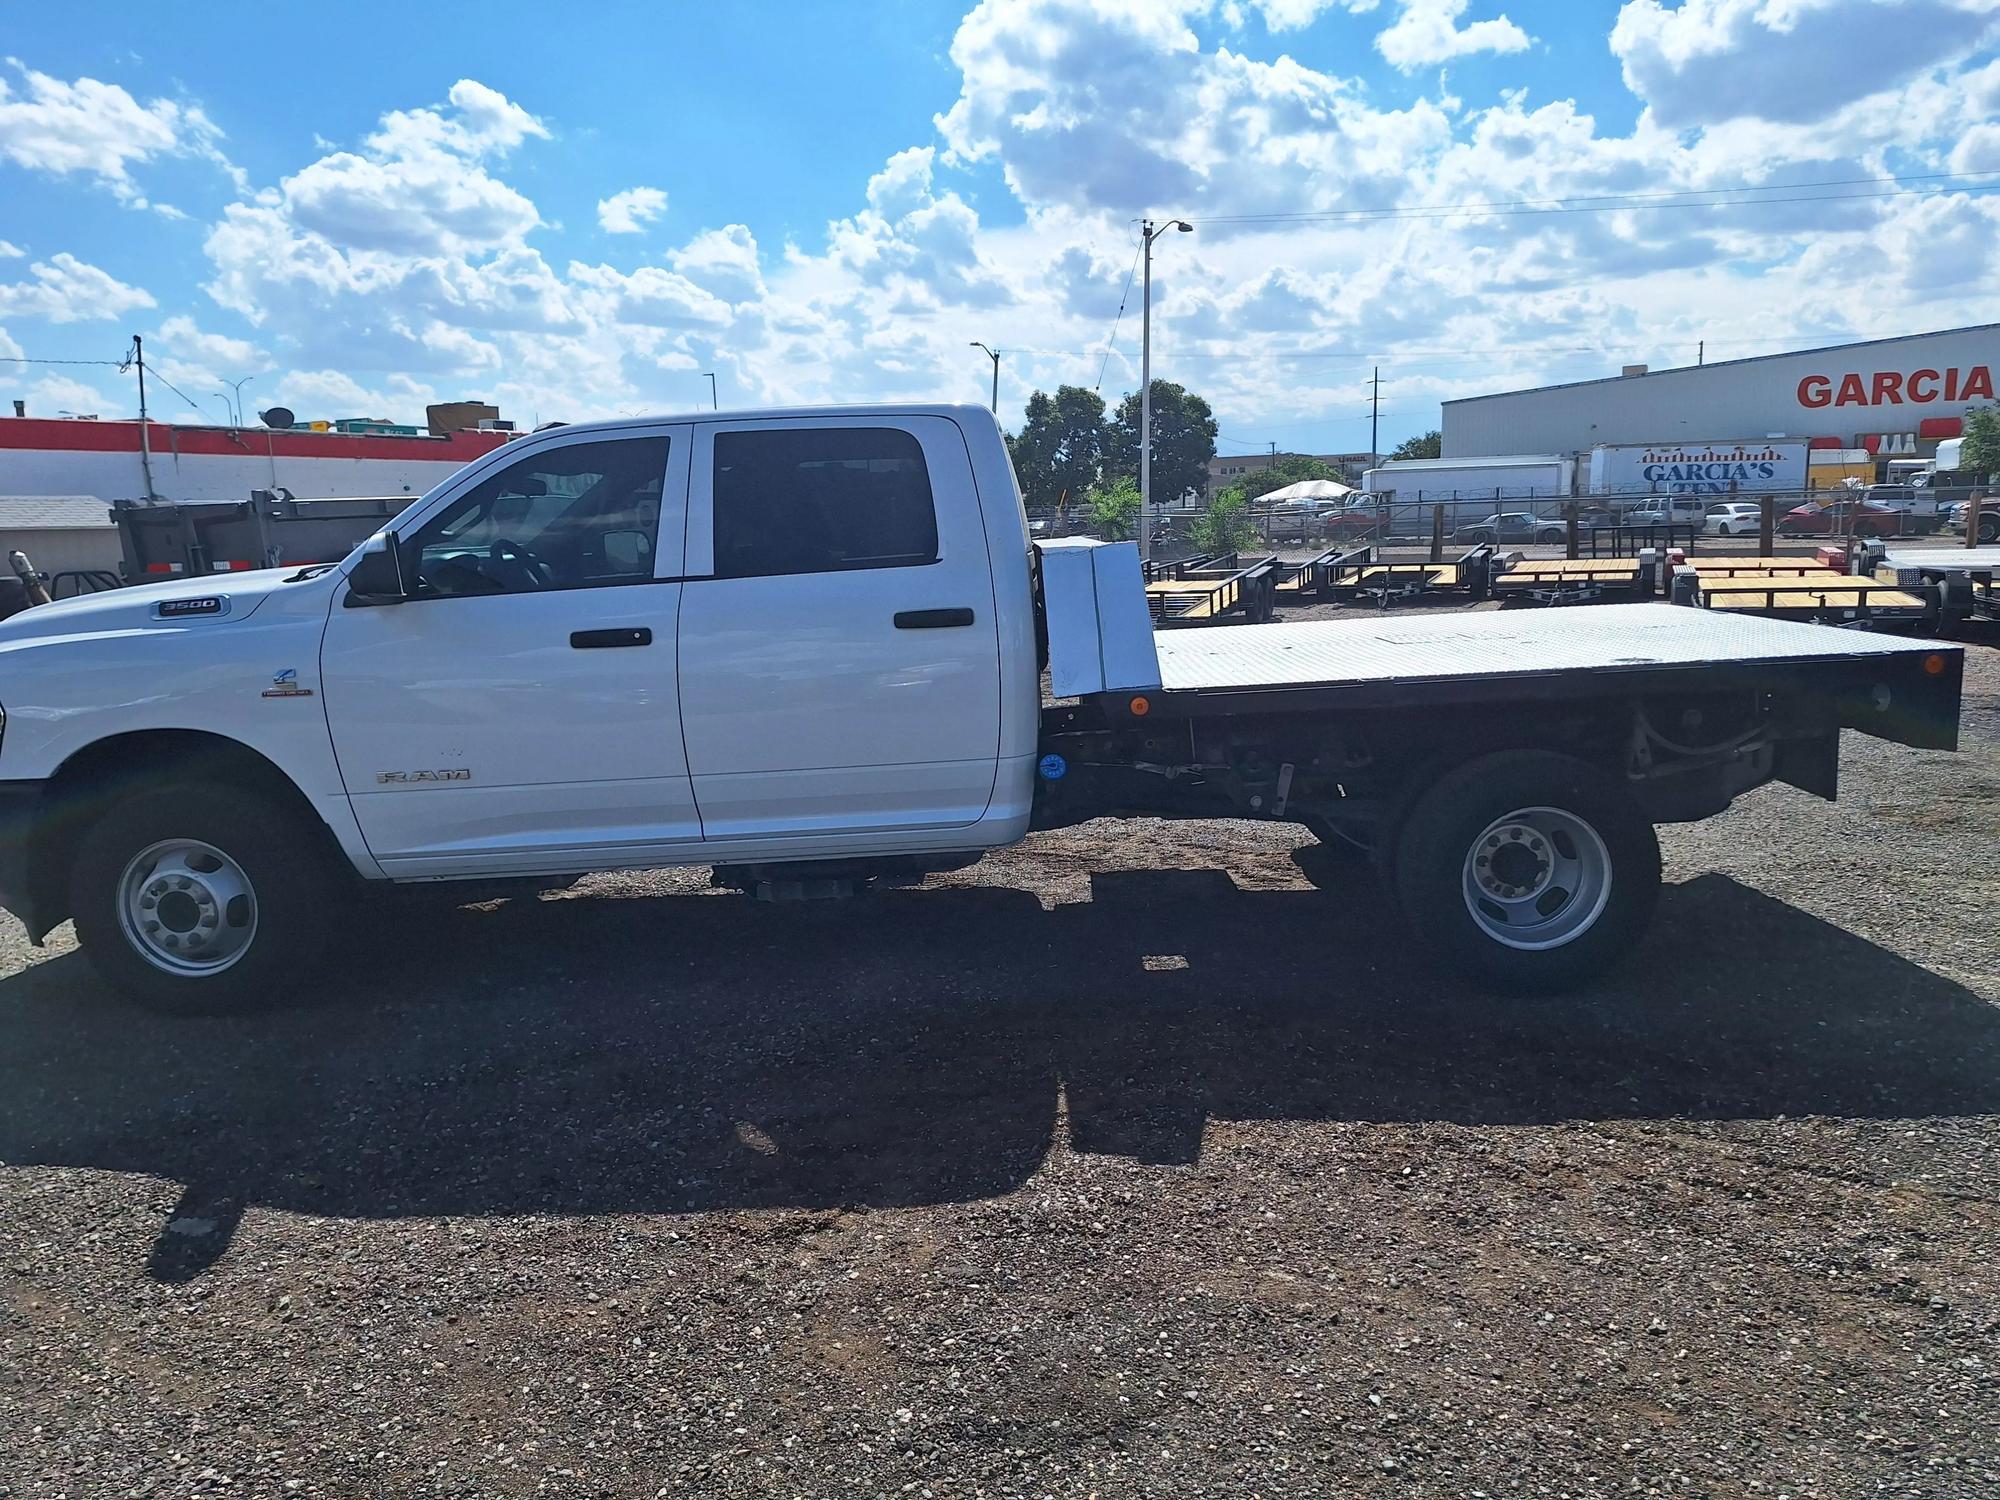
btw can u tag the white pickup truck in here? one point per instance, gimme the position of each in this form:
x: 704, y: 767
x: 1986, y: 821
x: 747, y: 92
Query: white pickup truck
x: 806, y: 648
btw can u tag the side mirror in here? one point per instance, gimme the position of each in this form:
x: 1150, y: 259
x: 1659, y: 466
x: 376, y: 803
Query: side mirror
x: 377, y: 575
x: 628, y: 552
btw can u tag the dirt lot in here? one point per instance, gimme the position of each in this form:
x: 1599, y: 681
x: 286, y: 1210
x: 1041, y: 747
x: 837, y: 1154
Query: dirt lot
x: 1139, y: 1160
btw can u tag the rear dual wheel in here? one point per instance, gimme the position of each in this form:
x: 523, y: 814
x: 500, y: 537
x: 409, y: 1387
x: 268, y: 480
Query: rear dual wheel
x: 1527, y: 870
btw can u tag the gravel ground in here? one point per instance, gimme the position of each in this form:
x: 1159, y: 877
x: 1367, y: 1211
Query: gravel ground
x: 1137, y: 1160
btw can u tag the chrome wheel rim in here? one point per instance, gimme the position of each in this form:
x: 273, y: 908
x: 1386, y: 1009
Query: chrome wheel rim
x: 1537, y: 878
x: 186, y: 907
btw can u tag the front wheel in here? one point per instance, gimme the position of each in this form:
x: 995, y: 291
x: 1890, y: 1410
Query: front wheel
x: 197, y: 899
x: 1527, y: 870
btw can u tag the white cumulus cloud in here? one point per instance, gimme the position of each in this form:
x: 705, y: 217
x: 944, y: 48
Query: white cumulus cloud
x: 64, y: 289
x: 421, y: 183
x: 631, y: 211
x: 88, y: 126
x: 1707, y: 61
x: 1428, y: 33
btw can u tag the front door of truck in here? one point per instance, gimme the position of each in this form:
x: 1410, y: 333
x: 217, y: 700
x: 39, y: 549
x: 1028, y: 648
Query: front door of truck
x: 839, y: 655
x: 521, y: 713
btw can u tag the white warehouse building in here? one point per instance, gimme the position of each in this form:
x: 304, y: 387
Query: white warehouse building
x: 1897, y: 398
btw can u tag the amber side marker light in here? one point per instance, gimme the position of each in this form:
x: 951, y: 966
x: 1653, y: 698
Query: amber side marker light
x: 1141, y: 707
x: 1934, y: 664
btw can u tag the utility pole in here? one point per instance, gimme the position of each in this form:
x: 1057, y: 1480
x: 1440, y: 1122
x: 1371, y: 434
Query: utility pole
x: 1701, y: 352
x: 713, y: 403
x: 1147, y: 234
x: 994, y: 355
x: 1375, y: 418
x: 145, y: 439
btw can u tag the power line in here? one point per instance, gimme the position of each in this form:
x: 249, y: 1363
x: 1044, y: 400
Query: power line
x: 1389, y: 354
x: 176, y: 390
x: 1619, y: 202
x: 1123, y: 298
x: 22, y: 359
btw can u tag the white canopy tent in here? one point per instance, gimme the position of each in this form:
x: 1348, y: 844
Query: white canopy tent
x: 1308, y: 489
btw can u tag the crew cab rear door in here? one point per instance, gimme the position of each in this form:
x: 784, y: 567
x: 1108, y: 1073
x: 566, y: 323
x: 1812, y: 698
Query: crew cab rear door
x: 839, y: 653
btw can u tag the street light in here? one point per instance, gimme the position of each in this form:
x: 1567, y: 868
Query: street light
x: 713, y: 402
x: 994, y: 355
x: 1148, y: 231
x: 236, y: 407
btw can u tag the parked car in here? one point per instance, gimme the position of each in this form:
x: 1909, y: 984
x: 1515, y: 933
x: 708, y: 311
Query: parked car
x: 1733, y: 518
x: 1510, y: 526
x: 1843, y: 518
x: 1989, y: 519
x: 1668, y: 510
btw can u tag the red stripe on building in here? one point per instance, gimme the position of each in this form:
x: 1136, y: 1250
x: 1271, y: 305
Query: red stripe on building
x: 48, y: 433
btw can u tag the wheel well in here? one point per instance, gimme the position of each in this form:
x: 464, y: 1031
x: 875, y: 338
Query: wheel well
x: 104, y: 773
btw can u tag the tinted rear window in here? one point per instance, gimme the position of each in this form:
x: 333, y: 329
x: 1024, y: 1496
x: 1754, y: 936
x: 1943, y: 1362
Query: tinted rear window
x: 821, y: 500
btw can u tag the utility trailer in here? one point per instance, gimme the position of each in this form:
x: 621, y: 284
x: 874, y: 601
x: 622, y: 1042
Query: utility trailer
x: 1965, y: 576
x: 1212, y: 587
x: 1355, y: 576
x: 164, y: 539
x: 1804, y: 588
x: 1578, y: 580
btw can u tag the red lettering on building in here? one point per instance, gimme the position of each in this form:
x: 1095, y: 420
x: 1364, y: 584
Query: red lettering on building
x: 1894, y: 388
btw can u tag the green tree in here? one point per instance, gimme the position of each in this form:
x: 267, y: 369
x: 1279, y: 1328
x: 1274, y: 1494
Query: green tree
x: 1225, y: 525
x: 1114, y: 509
x: 1980, y: 453
x: 1059, y: 450
x: 1183, y: 441
x: 1288, y: 468
x: 1424, y: 445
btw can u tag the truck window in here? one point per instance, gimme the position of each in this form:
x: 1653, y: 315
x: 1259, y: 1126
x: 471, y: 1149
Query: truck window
x: 584, y: 515
x: 821, y: 500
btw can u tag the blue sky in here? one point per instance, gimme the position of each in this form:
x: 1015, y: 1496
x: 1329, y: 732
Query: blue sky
x: 580, y: 214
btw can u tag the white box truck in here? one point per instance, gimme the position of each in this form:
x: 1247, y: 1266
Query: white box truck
x: 1507, y: 477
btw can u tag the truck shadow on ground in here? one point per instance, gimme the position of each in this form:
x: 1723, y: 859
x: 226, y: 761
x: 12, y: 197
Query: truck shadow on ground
x: 595, y: 1054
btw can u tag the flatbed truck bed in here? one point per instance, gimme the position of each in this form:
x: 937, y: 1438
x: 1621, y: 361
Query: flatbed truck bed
x: 1502, y: 653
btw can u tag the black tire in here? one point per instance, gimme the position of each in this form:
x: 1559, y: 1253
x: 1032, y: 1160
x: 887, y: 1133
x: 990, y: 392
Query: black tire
x: 1432, y: 853
x: 1989, y: 530
x: 291, y: 877
x: 1551, y: 536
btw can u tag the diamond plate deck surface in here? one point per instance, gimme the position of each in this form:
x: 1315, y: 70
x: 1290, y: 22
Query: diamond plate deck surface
x: 1943, y: 559
x: 1499, y: 643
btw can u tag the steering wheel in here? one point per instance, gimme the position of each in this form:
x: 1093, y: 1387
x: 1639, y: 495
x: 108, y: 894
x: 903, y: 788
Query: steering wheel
x: 521, y: 565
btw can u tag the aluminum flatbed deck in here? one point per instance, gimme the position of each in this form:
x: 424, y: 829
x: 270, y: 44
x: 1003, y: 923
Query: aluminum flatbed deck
x: 1502, y: 646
